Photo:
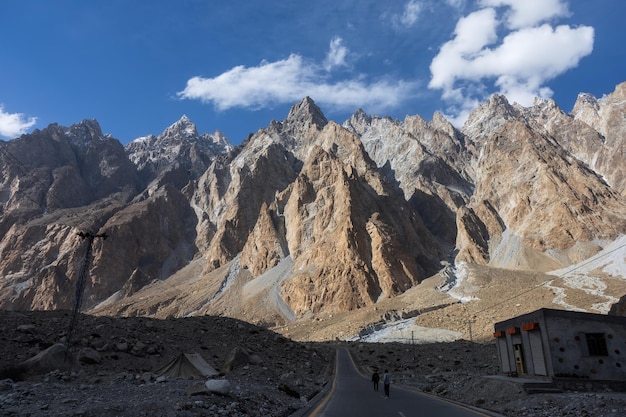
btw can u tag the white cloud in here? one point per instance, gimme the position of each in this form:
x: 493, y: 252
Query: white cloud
x: 472, y: 34
x: 410, y: 15
x: 291, y: 79
x: 519, y: 64
x: 525, y: 13
x: 14, y: 124
x: 456, y: 4
x: 337, y: 54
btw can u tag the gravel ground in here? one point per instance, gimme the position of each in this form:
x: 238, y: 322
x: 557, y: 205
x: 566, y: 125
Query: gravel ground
x: 277, y: 380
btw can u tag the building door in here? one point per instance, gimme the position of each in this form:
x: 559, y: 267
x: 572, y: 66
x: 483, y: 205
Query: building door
x: 519, y: 359
x: 505, y: 358
x: 536, y: 350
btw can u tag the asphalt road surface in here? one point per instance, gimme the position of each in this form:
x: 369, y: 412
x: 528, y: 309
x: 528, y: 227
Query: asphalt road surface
x: 354, y: 395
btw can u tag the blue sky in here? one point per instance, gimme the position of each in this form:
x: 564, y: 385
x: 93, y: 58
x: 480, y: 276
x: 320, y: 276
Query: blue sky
x: 138, y: 66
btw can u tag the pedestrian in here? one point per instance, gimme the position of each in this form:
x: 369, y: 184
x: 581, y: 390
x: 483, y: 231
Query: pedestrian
x: 375, y: 379
x: 386, y: 382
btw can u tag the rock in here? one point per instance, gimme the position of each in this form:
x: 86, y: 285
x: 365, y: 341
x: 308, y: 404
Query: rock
x: 6, y: 384
x: 47, y: 360
x: 26, y: 328
x: 89, y: 356
x: 121, y: 347
x: 218, y: 386
x: 196, y: 389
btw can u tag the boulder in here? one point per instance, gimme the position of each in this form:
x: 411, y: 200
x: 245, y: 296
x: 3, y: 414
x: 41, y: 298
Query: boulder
x: 89, y: 356
x: 46, y: 360
x: 217, y: 386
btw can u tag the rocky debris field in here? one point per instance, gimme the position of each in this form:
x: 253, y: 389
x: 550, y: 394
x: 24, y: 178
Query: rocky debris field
x: 116, y: 374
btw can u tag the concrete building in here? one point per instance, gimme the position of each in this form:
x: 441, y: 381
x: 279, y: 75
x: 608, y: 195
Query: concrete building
x: 556, y: 343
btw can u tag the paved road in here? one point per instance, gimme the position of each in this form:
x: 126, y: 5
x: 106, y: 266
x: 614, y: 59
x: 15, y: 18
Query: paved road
x: 354, y: 395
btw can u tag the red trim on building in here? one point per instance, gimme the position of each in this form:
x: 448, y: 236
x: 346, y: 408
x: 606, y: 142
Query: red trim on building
x: 530, y: 326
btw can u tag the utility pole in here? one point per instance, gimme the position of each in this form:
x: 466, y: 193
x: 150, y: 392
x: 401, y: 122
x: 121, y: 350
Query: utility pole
x: 83, y: 273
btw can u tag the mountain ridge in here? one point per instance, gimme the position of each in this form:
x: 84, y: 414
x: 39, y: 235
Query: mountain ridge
x: 364, y: 211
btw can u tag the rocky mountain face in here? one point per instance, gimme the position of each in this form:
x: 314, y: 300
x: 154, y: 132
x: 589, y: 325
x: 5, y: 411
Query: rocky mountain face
x: 177, y: 154
x: 322, y: 218
x: 538, y: 204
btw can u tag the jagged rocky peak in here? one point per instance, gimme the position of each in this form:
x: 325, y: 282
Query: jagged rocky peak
x: 605, y: 114
x: 80, y: 134
x: 181, y: 129
x: 179, y: 146
x: 358, y: 123
x: 586, y: 100
x: 86, y: 129
x: 442, y: 124
x: 185, y: 130
x: 297, y: 132
x: 415, y: 123
x: 544, y: 112
x: 306, y: 113
x: 75, y: 165
x: 489, y: 117
x: 545, y: 106
x: 586, y: 109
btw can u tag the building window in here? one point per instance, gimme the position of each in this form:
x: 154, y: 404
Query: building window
x: 596, y: 344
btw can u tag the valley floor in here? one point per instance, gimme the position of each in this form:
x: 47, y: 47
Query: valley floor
x: 124, y: 383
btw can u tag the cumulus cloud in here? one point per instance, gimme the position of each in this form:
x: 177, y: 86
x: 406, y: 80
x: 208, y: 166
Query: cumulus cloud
x: 290, y: 79
x: 516, y: 62
x: 472, y: 34
x: 14, y: 124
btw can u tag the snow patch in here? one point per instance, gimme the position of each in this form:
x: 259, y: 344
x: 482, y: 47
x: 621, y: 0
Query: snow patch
x: 560, y: 296
x: 142, y: 139
x: 610, y: 260
x: 20, y: 287
x: 454, y: 275
x: 406, y: 331
x: 584, y: 276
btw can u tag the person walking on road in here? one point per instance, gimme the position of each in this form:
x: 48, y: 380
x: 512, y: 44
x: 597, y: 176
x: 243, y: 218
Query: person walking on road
x: 375, y: 379
x: 386, y: 382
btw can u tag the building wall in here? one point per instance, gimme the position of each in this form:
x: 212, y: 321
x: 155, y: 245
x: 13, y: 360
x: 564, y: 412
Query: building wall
x: 555, y: 343
x: 570, y: 353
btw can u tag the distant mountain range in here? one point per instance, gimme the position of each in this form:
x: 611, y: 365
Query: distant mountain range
x: 307, y: 216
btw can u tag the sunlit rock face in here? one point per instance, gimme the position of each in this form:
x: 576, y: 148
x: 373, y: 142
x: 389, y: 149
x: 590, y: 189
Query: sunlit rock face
x: 349, y: 214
